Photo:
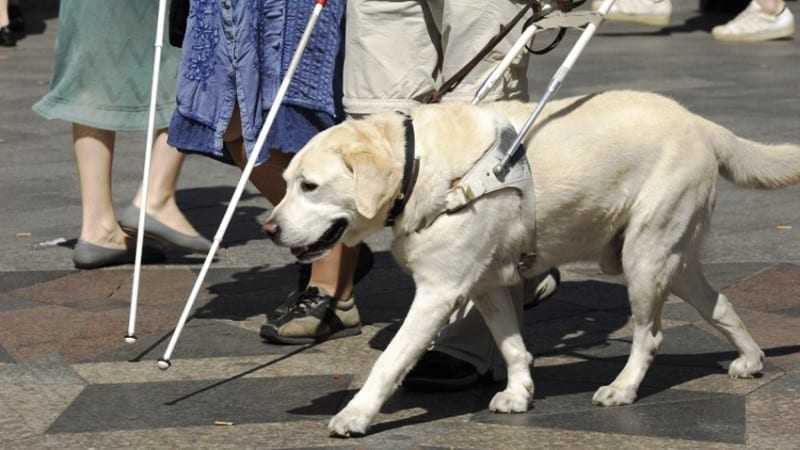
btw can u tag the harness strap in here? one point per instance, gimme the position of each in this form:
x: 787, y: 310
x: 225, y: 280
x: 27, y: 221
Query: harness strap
x: 480, y: 179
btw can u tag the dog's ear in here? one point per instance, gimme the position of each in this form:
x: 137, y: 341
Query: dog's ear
x: 375, y: 180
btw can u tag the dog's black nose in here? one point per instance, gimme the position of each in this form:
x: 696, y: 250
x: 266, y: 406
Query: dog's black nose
x: 272, y: 230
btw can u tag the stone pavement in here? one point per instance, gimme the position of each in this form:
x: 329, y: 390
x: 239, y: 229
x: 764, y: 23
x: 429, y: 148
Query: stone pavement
x: 68, y: 381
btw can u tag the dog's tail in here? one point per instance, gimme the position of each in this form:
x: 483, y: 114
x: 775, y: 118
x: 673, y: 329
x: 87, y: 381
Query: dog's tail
x: 752, y: 164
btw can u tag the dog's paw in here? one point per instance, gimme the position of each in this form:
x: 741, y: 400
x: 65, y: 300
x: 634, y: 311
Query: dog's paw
x: 349, y: 422
x: 510, y: 402
x: 613, y: 396
x: 746, y: 367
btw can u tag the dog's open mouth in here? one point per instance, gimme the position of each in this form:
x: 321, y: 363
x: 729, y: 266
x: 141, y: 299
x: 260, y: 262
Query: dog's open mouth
x: 328, y: 239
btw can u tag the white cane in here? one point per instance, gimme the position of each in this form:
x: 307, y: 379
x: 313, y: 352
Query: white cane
x: 500, y: 69
x: 151, y: 125
x: 553, y: 87
x: 164, y: 363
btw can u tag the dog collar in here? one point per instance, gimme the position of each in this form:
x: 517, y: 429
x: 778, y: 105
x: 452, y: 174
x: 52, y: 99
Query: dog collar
x: 409, y: 173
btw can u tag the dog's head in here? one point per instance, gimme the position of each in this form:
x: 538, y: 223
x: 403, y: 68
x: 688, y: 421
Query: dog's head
x: 339, y: 188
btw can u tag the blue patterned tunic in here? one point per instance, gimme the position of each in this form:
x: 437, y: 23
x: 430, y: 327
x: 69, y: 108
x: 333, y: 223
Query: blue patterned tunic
x: 237, y: 51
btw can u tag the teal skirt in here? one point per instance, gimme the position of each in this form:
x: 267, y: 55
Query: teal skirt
x: 104, y: 66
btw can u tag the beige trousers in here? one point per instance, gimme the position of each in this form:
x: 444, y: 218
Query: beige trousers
x: 399, y: 51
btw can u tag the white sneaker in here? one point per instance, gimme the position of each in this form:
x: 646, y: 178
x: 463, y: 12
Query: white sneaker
x: 647, y: 12
x: 754, y: 25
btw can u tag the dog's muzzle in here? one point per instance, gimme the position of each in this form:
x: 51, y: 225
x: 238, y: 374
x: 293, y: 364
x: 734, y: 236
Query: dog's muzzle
x: 328, y: 239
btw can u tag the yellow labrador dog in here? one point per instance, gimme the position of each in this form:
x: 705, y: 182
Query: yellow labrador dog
x: 626, y: 178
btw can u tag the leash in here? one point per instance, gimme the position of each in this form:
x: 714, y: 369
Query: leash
x: 540, y: 11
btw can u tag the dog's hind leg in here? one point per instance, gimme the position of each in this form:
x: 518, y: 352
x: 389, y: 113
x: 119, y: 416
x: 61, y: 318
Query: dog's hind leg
x: 650, y: 262
x: 428, y: 313
x: 691, y: 285
x: 501, y: 315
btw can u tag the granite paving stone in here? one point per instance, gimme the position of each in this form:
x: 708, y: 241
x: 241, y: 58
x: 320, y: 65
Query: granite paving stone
x: 18, y: 279
x: 10, y: 303
x: 5, y: 357
x: 773, y: 414
x: 772, y: 290
x: 723, y: 275
x: 672, y: 414
x: 200, y: 339
x: 86, y: 288
x: 103, y: 407
x: 47, y: 370
x: 14, y: 427
x: 39, y: 405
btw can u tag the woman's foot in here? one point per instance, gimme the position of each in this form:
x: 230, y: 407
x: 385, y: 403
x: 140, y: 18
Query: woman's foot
x: 168, y: 213
x: 185, y: 238
x: 89, y: 256
x: 108, y: 235
x: 99, y: 247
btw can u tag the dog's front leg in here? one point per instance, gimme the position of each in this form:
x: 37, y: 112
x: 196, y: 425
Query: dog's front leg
x: 428, y: 313
x: 501, y: 315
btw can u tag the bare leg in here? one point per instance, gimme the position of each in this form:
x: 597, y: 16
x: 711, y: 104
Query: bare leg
x: 4, y: 13
x: 165, y: 168
x: 94, y: 154
x: 772, y: 7
x: 333, y: 274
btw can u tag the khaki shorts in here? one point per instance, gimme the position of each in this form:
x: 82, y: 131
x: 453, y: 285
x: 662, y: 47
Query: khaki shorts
x: 399, y: 51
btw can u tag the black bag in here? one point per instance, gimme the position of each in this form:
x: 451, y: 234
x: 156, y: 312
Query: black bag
x: 178, y: 16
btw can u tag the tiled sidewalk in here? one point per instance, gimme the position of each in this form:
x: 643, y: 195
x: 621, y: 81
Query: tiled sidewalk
x: 67, y: 380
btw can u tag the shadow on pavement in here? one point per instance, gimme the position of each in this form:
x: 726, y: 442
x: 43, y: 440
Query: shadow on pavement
x: 205, y: 206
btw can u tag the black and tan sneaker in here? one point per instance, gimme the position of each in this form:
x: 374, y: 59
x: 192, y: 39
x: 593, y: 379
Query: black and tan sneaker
x: 312, y: 316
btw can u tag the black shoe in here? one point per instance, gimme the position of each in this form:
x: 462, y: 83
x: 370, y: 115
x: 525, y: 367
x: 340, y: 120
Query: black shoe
x: 310, y: 317
x: 7, y: 38
x: 436, y: 371
x: 544, y: 286
x: 16, y: 21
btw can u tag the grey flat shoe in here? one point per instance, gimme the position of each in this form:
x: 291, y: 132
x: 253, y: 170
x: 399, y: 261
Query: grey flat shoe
x: 153, y: 229
x: 90, y: 256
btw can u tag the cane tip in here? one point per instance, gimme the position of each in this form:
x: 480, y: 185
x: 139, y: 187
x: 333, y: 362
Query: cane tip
x: 130, y: 339
x: 163, y: 364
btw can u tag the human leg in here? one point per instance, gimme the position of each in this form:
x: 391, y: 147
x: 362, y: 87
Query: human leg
x: 94, y: 154
x: 4, y: 20
x: 330, y: 283
x: 165, y: 168
x: 469, y: 27
x: 391, y: 61
x: 102, y: 242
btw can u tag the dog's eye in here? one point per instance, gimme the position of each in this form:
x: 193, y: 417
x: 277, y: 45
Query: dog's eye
x: 307, y: 186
